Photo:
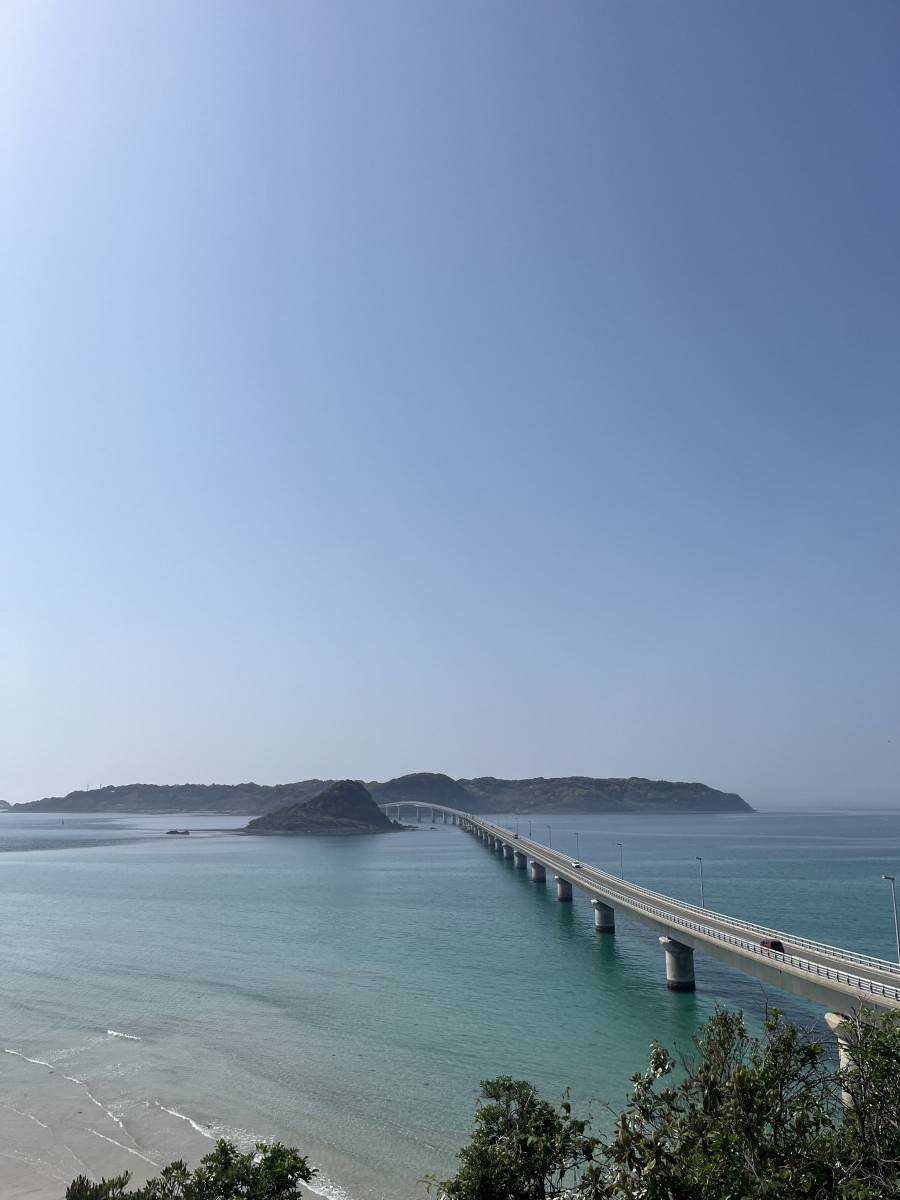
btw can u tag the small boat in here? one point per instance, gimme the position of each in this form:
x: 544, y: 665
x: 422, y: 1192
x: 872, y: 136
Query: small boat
x: 177, y: 832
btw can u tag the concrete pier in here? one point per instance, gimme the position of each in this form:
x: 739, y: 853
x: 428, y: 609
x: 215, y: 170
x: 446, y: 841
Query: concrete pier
x: 507, y: 850
x: 520, y: 862
x: 836, y: 1023
x: 538, y: 872
x: 604, y: 917
x: 563, y: 888
x: 679, y: 965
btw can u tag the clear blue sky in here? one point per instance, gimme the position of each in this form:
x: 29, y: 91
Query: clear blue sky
x: 479, y: 387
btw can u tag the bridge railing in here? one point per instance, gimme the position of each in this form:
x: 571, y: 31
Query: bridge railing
x: 858, y: 983
x: 853, y: 956
x: 849, y: 956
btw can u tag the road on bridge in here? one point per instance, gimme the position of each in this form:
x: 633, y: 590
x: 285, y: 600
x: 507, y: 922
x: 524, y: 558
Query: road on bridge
x: 823, y: 974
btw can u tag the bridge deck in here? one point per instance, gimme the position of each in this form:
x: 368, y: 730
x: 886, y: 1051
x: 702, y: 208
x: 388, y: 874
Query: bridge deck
x: 823, y: 974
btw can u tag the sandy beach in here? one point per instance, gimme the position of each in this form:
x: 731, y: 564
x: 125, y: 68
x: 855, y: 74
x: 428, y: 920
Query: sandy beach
x: 53, y: 1128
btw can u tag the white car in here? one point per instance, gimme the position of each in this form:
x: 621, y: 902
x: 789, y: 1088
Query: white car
x: 576, y: 864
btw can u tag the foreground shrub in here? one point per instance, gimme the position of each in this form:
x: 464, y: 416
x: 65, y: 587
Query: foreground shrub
x: 270, y: 1173
x: 750, y: 1119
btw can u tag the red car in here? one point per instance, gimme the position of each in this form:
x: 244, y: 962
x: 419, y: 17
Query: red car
x: 773, y: 944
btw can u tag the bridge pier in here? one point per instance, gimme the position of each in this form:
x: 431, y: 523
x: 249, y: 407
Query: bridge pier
x: 418, y: 815
x: 498, y: 845
x: 604, y: 917
x: 519, y: 860
x: 679, y: 966
x: 836, y: 1023
x: 563, y: 888
x: 538, y: 873
x: 507, y: 850
x: 444, y: 815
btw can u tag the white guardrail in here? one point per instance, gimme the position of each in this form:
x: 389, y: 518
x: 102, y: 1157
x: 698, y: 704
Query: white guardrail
x: 625, y: 891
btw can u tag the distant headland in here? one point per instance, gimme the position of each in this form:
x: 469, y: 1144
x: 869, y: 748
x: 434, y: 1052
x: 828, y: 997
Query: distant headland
x: 486, y: 794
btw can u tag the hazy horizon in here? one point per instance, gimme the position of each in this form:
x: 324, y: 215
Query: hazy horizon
x: 492, y: 389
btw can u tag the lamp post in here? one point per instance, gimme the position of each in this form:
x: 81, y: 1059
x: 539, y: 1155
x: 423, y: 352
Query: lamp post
x: 577, y: 855
x: 517, y: 826
x: 549, y: 837
x: 891, y: 880
x: 700, y: 861
x: 529, y: 829
x: 621, y: 866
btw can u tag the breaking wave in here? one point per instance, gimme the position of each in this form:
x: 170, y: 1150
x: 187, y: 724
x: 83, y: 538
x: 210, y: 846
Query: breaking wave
x: 127, y: 1149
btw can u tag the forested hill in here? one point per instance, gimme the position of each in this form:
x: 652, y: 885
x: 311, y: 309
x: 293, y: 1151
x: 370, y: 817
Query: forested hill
x: 581, y: 793
x: 570, y: 793
x: 344, y: 808
x: 183, y: 797
x: 573, y: 793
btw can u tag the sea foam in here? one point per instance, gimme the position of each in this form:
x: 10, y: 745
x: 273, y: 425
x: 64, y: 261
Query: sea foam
x: 173, y: 1112
x: 38, y: 1062
x: 127, y: 1149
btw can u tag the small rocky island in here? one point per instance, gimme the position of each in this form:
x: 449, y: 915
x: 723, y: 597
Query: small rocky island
x: 346, y: 807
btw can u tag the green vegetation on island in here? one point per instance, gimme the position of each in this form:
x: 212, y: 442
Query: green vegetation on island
x: 573, y: 793
x: 180, y: 797
x: 749, y: 1118
x: 344, y: 808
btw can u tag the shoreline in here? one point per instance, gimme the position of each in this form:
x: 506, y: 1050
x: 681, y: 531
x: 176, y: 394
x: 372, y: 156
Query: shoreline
x: 45, y: 1146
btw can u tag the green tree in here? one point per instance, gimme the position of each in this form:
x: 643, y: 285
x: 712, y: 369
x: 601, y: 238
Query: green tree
x: 271, y: 1172
x: 868, y: 1148
x: 750, y: 1118
x: 743, y: 1118
x: 522, y: 1149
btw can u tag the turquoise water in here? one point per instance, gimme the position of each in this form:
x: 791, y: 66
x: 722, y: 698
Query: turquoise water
x: 347, y: 995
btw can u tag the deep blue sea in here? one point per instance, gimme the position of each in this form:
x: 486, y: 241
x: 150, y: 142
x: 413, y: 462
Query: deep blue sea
x: 347, y: 995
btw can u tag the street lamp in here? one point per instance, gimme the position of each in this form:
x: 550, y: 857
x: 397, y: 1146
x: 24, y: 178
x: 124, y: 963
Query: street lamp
x: 529, y: 829
x: 700, y: 861
x: 577, y: 855
x: 549, y: 838
x: 891, y: 880
x: 517, y: 826
x: 621, y: 867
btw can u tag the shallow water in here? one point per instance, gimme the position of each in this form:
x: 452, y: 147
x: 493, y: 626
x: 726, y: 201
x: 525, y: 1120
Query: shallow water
x: 348, y: 994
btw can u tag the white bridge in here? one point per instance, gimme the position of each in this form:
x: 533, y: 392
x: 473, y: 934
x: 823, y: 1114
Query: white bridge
x: 825, y: 975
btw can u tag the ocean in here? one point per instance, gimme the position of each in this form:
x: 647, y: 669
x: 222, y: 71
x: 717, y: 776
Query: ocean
x: 347, y: 995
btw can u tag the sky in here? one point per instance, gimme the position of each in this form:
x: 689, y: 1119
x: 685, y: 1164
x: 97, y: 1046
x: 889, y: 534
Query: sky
x: 489, y: 388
